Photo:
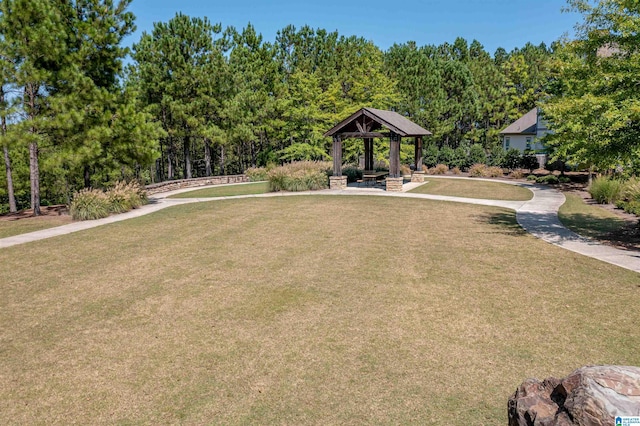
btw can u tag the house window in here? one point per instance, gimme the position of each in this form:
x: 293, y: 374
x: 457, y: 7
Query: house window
x: 507, y: 143
x: 528, y: 143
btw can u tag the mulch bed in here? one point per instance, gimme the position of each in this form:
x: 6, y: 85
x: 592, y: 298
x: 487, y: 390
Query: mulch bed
x: 46, y: 211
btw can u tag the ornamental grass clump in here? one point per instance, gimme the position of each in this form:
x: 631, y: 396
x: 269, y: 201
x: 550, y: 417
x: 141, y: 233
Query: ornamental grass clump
x: 89, y: 204
x: 630, y: 197
x: 478, y: 170
x: 605, y: 190
x: 439, y: 169
x: 494, y: 171
x: 257, y: 174
x: 300, y: 176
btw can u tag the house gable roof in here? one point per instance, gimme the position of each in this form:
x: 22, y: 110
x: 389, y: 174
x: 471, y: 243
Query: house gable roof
x: 525, y: 125
x: 368, y: 120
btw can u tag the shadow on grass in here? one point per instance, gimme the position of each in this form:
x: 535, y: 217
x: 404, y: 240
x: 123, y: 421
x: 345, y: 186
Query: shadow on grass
x: 591, y: 226
x: 503, y: 223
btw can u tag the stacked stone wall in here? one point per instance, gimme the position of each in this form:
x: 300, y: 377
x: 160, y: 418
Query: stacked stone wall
x: 171, y: 185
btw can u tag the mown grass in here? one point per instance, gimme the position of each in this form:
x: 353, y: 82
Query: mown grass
x: 473, y: 189
x: 226, y: 191
x: 587, y: 220
x: 9, y: 228
x: 296, y: 310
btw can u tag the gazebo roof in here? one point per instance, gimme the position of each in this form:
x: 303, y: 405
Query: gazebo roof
x: 364, y: 123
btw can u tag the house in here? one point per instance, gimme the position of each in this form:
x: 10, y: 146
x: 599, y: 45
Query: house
x: 526, y: 133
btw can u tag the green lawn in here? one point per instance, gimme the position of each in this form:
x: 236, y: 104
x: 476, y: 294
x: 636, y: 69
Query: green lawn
x: 587, y: 220
x: 473, y: 189
x: 301, y: 310
x: 9, y: 228
x: 226, y: 191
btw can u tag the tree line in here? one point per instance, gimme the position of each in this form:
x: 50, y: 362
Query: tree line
x: 197, y: 99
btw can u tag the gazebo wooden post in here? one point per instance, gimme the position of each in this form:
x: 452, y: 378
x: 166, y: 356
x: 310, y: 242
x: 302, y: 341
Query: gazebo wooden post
x: 418, y: 174
x: 394, y: 181
x: 337, y: 181
x: 394, y: 156
x: 368, y: 154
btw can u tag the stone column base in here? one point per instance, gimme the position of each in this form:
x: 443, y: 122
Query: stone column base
x: 417, y: 177
x: 394, y: 184
x: 338, y: 182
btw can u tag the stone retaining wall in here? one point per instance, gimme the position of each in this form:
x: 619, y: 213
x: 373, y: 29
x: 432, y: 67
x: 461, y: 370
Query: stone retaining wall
x: 170, y: 185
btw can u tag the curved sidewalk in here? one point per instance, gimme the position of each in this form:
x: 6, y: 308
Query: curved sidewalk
x: 538, y: 216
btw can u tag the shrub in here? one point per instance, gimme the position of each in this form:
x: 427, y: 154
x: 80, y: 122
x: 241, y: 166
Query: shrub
x: 300, y: 176
x: 548, y: 179
x: 497, y: 157
x: 629, y: 199
x: 517, y: 174
x: 531, y: 177
x: 446, y: 156
x: 257, y: 174
x: 477, y: 155
x: 431, y: 156
x: 352, y: 173
x: 494, y: 171
x: 125, y: 196
x: 605, y: 190
x: 529, y: 161
x: 564, y: 179
x: 456, y: 171
x: 405, y: 170
x: 89, y: 204
x: 440, y: 169
x: 478, y: 170
x: 460, y: 158
x: 512, y: 159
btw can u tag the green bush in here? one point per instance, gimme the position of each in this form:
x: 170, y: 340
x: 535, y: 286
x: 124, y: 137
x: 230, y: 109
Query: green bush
x: 352, y: 173
x: 531, y: 177
x: 89, y: 204
x: 497, y: 157
x: 477, y: 155
x: 513, y: 159
x: 300, y: 176
x: 431, y: 156
x: 548, y: 179
x: 529, y: 161
x: 446, y: 156
x: 605, y: 190
x: 564, y: 179
x: 460, y: 158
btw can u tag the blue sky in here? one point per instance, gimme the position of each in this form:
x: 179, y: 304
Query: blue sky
x: 495, y: 23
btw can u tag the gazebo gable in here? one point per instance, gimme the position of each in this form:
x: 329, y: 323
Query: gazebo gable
x: 367, y: 121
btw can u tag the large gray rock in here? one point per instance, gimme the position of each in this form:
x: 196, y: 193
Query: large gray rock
x: 590, y: 396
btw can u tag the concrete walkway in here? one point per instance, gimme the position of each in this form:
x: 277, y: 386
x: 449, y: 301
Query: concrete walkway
x: 538, y: 216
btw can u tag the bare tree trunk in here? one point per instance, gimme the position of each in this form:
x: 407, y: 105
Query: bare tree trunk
x: 222, y: 160
x: 187, y: 157
x: 7, y: 165
x: 34, y: 174
x: 34, y: 171
x: 87, y: 177
x: 170, y: 160
x: 207, y: 157
x: 7, y: 160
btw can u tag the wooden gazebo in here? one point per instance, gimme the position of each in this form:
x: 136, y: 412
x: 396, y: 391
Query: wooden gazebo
x: 366, y: 124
